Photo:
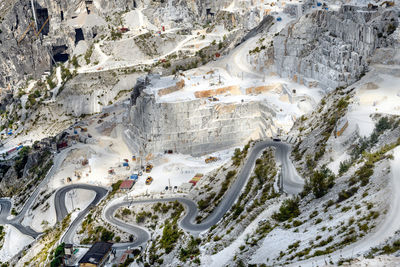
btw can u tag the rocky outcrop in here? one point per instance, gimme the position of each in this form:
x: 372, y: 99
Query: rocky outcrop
x: 332, y: 47
x: 91, y: 92
x: 20, y: 60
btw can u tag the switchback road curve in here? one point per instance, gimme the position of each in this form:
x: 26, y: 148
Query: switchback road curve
x: 61, y: 209
x: 292, y: 184
x: 6, y: 204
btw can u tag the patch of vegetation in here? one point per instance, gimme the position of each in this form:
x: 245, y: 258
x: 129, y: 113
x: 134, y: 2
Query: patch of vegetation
x: 367, y: 170
x: 115, y: 34
x: 57, y: 257
x: 88, y: 54
x: 345, y: 194
x: 320, y: 182
x: 75, y: 62
x: 115, y: 186
x: 98, y: 233
x: 170, y: 236
x: 288, y: 210
x: 21, y: 160
x: 239, y: 155
x: 192, y: 250
x: 344, y: 166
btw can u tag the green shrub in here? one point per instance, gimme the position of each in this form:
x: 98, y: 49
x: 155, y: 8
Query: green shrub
x: 320, y: 182
x: 88, y: 54
x: 57, y: 257
x: 288, y: 210
x: 170, y: 236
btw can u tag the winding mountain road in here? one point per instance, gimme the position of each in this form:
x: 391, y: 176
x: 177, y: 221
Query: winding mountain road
x: 62, y: 212
x: 292, y: 184
x: 6, y: 204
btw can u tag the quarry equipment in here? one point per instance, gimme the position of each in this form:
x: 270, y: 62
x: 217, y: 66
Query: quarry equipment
x: 26, y: 31
x: 33, y: 25
x: 149, y: 167
x: 41, y: 29
x: 211, y: 159
x: 134, y: 177
x: 85, y: 162
x: 149, y: 180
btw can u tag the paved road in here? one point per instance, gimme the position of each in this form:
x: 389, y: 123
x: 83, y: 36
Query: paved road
x: 292, y: 184
x: 5, y: 212
x: 61, y: 209
x: 6, y: 203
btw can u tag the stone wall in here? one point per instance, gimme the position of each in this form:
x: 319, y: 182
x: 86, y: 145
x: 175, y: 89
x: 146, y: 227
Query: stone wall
x: 194, y: 127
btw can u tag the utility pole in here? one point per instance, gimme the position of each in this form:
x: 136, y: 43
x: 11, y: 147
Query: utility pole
x: 71, y: 195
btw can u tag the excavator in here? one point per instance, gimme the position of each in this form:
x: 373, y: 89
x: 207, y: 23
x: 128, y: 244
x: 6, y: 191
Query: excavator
x: 33, y: 26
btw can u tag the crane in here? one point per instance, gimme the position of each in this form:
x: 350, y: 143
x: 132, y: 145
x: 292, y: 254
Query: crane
x: 26, y: 31
x: 44, y: 24
x: 32, y: 25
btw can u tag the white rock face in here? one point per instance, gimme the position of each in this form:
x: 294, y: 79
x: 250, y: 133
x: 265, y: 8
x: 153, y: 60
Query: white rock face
x: 193, y: 127
x: 332, y: 47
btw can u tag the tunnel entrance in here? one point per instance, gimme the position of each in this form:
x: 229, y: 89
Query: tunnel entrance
x: 42, y: 16
x: 79, y: 35
x: 89, y: 6
x: 59, y: 53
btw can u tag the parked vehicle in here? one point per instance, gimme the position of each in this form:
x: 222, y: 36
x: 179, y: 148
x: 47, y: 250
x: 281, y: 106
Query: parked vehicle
x: 134, y: 177
x: 211, y: 159
x: 149, y: 167
x: 149, y: 180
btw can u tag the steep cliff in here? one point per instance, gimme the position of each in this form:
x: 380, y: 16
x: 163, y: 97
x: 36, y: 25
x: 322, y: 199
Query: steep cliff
x: 28, y: 57
x: 195, y: 127
x: 332, y: 47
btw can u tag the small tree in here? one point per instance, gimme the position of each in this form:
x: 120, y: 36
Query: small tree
x: 288, y: 210
x: 321, y: 181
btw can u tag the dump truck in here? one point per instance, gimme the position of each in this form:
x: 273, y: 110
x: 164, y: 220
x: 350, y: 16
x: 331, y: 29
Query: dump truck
x: 211, y: 159
x: 149, y: 167
x: 149, y: 180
